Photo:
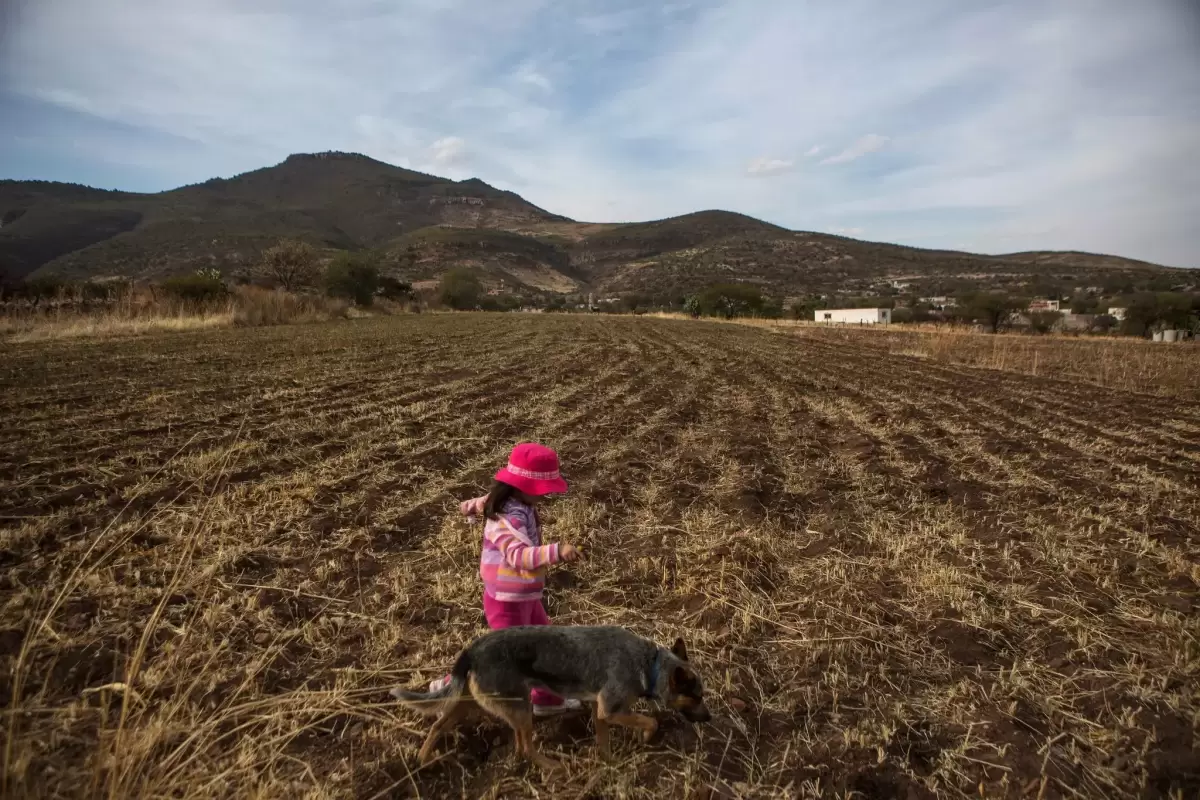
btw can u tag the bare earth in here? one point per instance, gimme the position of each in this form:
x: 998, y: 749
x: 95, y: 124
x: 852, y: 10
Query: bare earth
x: 901, y: 577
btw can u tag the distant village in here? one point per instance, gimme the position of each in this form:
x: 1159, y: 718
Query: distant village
x: 1170, y: 314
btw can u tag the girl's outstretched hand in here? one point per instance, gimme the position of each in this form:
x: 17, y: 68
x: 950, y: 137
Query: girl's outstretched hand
x: 472, y: 507
x: 569, y: 552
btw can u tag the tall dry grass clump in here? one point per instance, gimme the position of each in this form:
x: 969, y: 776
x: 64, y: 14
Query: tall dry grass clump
x: 141, y: 310
x: 254, y: 306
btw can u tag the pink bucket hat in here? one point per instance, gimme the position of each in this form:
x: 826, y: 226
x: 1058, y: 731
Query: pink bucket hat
x: 533, y: 468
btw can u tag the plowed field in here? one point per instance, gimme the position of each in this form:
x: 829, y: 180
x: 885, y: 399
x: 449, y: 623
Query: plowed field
x: 900, y: 578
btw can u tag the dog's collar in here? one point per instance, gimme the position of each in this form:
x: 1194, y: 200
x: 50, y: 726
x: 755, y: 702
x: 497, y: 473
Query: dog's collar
x: 652, y: 676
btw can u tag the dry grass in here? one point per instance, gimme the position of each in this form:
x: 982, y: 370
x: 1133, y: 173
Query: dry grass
x: 73, y: 326
x: 900, y: 577
x: 141, y: 312
x: 1167, y: 370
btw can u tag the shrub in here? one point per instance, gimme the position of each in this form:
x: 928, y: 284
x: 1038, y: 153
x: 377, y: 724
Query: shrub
x: 353, y: 276
x: 199, y: 288
x: 503, y: 302
x: 44, y: 287
x: 460, y: 289
x: 102, y: 291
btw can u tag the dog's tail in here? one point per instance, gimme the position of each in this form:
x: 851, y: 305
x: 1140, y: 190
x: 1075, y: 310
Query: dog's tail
x: 430, y: 704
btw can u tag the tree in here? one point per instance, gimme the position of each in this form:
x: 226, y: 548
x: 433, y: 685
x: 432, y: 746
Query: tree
x: 1103, y: 323
x: 805, y: 307
x: 919, y: 312
x: 772, y: 308
x: 1044, y: 321
x: 691, y: 306
x: 292, y: 263
x: 730, y: 300
x: 994, y: 310
x: 394, y: 289
x: 460, y: 289
x: 1082, y: 304
x: 1150, y: 312
x: 353, y: 276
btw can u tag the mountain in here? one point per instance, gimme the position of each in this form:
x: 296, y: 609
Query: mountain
x: 334, y: 200
x: 424, y: 225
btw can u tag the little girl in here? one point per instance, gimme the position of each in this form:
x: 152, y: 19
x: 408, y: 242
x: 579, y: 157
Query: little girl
x: 514, y: 560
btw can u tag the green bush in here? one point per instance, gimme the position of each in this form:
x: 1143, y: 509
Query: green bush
x: 460, y: 289
x: 353, y: 276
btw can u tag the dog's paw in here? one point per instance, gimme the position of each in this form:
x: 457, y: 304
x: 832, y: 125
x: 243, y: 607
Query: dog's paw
x: 650, y: 730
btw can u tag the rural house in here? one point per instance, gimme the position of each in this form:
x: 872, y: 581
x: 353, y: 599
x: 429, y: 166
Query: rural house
x: 859, y: 316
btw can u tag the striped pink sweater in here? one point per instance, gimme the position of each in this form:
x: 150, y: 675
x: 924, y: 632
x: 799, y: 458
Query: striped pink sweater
x: 514, y: 560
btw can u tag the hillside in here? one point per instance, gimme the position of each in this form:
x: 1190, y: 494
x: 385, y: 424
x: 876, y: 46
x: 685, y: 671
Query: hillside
x: 424, y: 225
x: 334, y: 200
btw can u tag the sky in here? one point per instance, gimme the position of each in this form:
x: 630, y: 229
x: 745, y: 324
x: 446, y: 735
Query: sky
x: 967, y: 124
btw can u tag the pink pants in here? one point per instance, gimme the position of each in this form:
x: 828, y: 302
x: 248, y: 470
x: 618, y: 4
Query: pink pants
x: 501, y: 614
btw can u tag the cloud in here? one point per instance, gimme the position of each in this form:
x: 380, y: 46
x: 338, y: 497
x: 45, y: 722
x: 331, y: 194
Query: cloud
x: 766, y: 167
x: 870, y: 143
x: 529, y: 75
x: 449, y: 151
x: 1010, y: 126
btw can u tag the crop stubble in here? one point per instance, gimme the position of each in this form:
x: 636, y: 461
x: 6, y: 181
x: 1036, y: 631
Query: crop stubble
x: 901, y: 578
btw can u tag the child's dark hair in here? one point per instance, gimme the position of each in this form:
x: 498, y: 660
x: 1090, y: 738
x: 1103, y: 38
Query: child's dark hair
x: 497, y: 497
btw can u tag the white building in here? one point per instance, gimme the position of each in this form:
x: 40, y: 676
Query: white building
x: 1116, y: 312
x: 1045, y: 305
x: 854, y: 316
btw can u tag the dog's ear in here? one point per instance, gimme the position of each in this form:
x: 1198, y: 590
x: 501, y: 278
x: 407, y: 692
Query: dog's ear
x: 680, y: 650
x: 678, y: 678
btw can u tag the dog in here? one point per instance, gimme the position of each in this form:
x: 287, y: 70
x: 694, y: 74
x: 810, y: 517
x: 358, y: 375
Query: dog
x: 608, y: 666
